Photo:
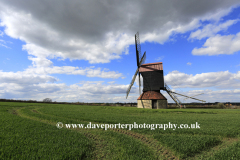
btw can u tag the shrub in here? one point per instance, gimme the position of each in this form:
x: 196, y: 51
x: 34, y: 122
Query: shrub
x: 47, y: 100
x: 221, y: 105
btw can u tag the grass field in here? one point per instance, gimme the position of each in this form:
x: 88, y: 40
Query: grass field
x: 28, y: 131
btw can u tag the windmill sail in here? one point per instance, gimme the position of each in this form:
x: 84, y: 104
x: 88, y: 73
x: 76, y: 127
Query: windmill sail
x: 138, y: 49
x: 135, y: 75
x: 138, y: 55
x: 132, y: 82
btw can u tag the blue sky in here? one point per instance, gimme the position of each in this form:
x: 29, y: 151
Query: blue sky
x: 84, y: 50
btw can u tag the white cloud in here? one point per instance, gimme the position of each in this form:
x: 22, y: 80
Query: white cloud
x: 98, y: 32
x: 3, y: 43
x: 111, y: 82
x: 99, y: 92
x: 30, y: 85
x: 98, y: 87
x: 159, y: 58
x: 211, y: 29
x: 30, y: 91
x: 217, y: 15
x: 44, y: 41
x: 101, y: 31
x: 189, y: 63
x: 24, y: 78
x: 40, y: 61
x: 219, y: 45
x: 19, y: 86
x: 70, y: 70
x: 4, y: 46
x: 1, y: 33
x: 87, y: 91
x: 223, y: 79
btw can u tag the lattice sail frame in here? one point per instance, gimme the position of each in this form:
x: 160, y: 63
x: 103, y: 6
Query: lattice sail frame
x: 135, y: 75
x: 138, y: 48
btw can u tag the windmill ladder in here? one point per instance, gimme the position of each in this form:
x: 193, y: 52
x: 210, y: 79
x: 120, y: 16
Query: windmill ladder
x: 176, y: 100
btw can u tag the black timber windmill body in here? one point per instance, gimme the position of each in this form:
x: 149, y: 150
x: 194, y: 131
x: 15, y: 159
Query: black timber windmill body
x: 153, y: 78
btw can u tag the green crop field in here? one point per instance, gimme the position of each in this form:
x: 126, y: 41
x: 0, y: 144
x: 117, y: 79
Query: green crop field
x: 29, y: 131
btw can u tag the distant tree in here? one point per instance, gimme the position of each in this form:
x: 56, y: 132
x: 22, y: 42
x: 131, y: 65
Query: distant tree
x: 47, y: 100
x: 221, y: 105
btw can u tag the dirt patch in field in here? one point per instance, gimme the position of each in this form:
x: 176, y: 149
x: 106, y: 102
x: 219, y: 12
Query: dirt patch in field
x: 13, y: 112
x: 226, y: 142
x: 100, y: 146
x: 35, y: 111
x: 152, y: 143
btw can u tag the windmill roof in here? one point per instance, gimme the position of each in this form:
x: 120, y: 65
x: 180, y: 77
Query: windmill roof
x: 151, y: 67
x: 151, y: 95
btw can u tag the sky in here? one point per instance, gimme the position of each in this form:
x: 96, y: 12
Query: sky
x: 84, y: 51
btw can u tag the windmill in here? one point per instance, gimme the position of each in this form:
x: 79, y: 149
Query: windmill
x: 153, y: 82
